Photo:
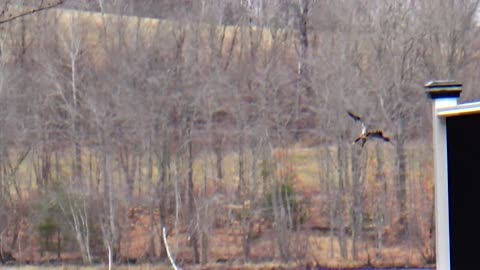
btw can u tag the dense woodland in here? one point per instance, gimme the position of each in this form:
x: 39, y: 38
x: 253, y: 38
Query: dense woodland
x: 196, y: 116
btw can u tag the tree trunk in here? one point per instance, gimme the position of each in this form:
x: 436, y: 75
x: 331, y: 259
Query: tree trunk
x: 340, y: 205
x: 204, y: 248
x: 191, y: 200
x: 151, y: 211
x: 247, y: 227
x: 217, y: 148
x: 401, y: 185
x: 161, y: 189
x: 329, y: 189
x: 241, y: 165
x: 382, y: 199
x: 302, y: 70
x: 357, y: 154
x: 78, y: 172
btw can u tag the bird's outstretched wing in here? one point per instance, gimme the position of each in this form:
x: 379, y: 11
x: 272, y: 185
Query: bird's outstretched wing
x: 355, y: 117
x: 377, y: 134
x: 359, y: 120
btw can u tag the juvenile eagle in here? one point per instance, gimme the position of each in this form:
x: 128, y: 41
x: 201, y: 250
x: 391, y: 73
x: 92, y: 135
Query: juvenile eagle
x: 366, y: 133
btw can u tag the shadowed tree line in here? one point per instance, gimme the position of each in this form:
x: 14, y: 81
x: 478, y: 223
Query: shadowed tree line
x: 107, y: 111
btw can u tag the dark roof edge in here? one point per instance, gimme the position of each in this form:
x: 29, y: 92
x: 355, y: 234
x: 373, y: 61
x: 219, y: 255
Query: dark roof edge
x: 443, y: 89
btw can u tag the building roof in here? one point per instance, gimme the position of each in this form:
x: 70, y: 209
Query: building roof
x: 443, y: 89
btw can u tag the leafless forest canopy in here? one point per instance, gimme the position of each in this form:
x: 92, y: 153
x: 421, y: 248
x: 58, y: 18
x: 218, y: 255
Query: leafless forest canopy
x: 225, y: 121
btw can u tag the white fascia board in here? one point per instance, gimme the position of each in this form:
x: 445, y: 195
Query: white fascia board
x: 460, y: 109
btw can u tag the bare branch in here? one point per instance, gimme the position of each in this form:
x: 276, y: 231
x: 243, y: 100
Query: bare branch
x: 12, y: 17
x: 168, y: 251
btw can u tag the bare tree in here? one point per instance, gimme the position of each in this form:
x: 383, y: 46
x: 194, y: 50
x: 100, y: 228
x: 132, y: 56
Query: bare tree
x: 76, y: 210
x: 393, y: 63
x: 448, y: 44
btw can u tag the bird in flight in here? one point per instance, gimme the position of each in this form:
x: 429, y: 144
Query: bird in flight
x: 366, y: 133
